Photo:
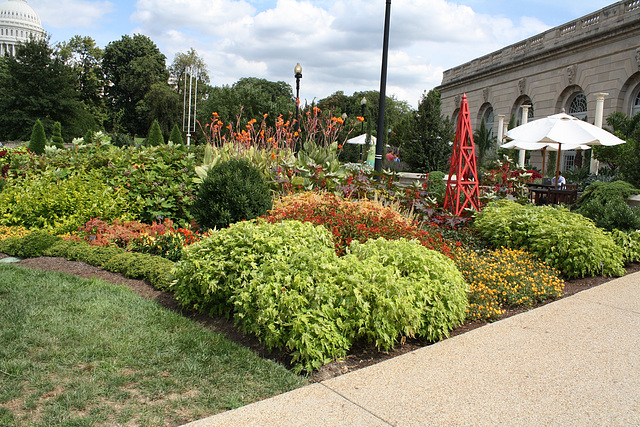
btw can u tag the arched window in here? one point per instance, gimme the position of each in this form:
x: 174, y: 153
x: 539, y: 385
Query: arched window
x: 635, y: 105
x: 578, y: 106
x: 488, y: 120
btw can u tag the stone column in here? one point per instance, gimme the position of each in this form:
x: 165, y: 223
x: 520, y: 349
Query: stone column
x: 525, y: 119
x: 500, y: 129
x: 595, y: 165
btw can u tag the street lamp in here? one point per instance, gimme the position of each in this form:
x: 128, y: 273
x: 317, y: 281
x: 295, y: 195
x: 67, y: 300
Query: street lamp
x: 363, y: 106
x: 297, y: 72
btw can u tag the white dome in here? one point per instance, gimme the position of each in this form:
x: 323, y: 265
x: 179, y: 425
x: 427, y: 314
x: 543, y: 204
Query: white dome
x: 18, y: 22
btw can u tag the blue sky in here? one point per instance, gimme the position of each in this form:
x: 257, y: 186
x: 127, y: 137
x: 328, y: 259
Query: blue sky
x: 338, y: 42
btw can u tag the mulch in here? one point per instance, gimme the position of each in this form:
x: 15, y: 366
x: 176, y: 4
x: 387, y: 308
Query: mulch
x: 359, y: 357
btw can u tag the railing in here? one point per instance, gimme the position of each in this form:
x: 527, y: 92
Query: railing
x: 609, y: 15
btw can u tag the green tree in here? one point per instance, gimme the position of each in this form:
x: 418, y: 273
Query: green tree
x: 428, y: 147
x: 176, y: 135
x: 38, y: 138
x: 484, y: 142
x: 36, y: 84
x: 624, y: 158
x: 155, y: 135
x: 132, y: 65
x: 251, y: 96
x: 56, y: 136
x: 85, y: 59
x: 162, y: 104
x: 185, y: 62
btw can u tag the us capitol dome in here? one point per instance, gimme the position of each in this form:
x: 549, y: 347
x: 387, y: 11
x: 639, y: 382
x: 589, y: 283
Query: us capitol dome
x: 18, y: 23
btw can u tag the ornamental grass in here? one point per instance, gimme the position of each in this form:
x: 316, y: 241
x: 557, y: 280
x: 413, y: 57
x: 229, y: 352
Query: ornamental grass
x: 505, y: 278
x: 353, y: 220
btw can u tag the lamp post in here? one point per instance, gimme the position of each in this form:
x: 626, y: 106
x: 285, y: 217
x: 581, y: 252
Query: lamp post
x: 297, y: 72
x: 383, y: 87
x: 363, y: 105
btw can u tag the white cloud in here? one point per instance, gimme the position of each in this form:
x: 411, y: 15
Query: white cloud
x: 72, y: 13
x: 338, y: 42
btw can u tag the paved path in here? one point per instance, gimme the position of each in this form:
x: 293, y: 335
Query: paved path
x: 574, y: 362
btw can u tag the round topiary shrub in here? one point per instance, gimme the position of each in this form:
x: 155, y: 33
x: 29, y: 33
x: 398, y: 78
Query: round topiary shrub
x: 232, y: 191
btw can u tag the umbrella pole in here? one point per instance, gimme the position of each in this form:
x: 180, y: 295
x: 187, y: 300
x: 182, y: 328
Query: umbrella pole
x: 544, y: 159
x: 558, y: 163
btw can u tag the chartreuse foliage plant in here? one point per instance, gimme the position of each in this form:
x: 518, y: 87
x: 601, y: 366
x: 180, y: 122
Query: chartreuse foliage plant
x: 504, y: 278
x: 61, y: 205
x: 630, y: 244
x: 157, y: 182
x: 284, y: 283
x: 566, y: 241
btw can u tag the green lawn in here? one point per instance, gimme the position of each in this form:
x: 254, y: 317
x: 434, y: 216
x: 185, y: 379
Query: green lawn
x: 83, y: 352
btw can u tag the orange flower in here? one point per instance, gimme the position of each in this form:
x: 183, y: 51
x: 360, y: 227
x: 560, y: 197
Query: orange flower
x: 264, y: 116
x: 339, y: 146
x: 273, y: 156
x: 214, y: 114
x: 360, y: 118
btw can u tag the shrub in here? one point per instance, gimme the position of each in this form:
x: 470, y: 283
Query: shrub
x: 606, y: 204
x: 352, y: 220
x: 30, y: 245
x: 176, y: 135
x: 232, y: 191
x: 629, y: 243
x: 505, y: 278
x: 155, y: 137
x: 564, y: 240
x: 284, y: 283
x: 38, y: 138
x: 56, y: 136
x: 60, y: 205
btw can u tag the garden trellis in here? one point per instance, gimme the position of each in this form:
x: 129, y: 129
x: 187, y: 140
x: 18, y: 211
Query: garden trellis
x: 463, y: 187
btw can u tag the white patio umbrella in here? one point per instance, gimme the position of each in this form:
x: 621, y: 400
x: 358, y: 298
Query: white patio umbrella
x: 361, y: 140
x: 566, y: 131
x: 534, y: 146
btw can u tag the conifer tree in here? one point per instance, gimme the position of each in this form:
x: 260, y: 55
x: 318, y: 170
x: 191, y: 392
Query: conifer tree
x: 56, y: 138
x: 155, y: 137
x: 38, y: 138
x: 176, y: 135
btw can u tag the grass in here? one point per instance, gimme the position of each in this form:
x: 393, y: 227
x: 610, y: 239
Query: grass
x: 82, y: 352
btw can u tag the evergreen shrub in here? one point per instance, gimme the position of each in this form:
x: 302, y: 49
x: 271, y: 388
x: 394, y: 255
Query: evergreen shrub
x: 176, y: 135
x: 155, y: 137
x: 606, y: 204
x: 56, y: 137
x: 232, y: 191
x: 38, y: 138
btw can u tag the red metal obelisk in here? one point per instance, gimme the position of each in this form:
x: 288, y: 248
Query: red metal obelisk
x: 463, y: 187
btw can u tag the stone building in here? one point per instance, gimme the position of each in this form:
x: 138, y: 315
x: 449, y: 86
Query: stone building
x: 564, y: 68
x: 18, y: 22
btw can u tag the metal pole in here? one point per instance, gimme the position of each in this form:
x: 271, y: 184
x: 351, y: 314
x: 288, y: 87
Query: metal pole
x: 189, y: 121
x: 195, y: 103
x: 383, y: 88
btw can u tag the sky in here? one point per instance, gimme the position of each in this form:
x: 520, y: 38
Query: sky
x: 337, y: 42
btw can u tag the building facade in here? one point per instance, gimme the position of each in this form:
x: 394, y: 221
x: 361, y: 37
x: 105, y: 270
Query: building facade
x: 564, y: 68
x: 18, y: 23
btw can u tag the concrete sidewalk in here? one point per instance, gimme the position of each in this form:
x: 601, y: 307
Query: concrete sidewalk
x: 572, y: 362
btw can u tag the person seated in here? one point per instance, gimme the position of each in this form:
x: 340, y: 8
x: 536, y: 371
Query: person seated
x: 390, y: 156
x: 561, y: 181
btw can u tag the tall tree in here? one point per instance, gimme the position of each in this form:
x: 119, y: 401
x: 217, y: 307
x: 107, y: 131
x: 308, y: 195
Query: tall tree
x: 254, y: 96
x: 85, y: 58
x: 36, y: 84
x: 132, y: 65
x: 624, y: 158
x: 428, y: 147
x: 163, y: 104
x: 181, y: 65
